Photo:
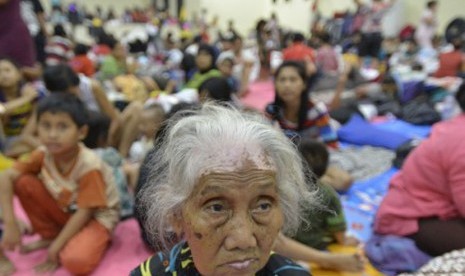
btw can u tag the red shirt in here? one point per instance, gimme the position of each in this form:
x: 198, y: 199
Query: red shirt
x: 449, y: 64
x: 299, y: 52
x: 82, y: 64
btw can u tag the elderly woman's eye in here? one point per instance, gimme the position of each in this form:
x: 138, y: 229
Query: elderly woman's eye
x: 216, y: 207
x: 263, y: 206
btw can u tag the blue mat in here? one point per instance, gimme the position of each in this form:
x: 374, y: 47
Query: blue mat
x: 361, y: 202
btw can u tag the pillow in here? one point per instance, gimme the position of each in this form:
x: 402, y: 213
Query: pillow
x: 360, y: 132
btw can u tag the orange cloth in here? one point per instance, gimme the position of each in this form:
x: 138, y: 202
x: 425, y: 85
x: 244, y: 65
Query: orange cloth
x: 83, y: 252
x: 82, y: 64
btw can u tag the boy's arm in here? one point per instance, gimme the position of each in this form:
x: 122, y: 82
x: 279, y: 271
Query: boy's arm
x: 343, y: 239
x: 295, y: 250
x: 29, y: 94
x: 77, y: 221
x: 12, y: 236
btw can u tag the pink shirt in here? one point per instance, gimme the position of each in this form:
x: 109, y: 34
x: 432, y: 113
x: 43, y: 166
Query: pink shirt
x: 430, y: 184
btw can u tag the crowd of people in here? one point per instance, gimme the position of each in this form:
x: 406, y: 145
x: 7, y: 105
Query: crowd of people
x: 94, y: 134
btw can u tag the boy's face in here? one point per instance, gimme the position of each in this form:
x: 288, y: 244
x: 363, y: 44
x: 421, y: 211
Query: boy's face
x: 226, y: 68
x: 9, y: 74
x: 59, y: 133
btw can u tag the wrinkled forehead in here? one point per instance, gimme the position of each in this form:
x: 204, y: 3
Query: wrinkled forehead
x: 237, y: 158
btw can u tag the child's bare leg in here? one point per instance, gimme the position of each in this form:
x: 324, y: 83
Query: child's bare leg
x: 34, y: 246
x: 6, y: 266
x: 131, y: 171
x: 170, y: 86
x: 131, y: 119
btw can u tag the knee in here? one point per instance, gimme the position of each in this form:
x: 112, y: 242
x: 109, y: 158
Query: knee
x: 77, y: 263
x: 26, y: 185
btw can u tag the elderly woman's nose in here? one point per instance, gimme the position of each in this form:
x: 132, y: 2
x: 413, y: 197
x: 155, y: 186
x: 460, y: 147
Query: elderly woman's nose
x: 241, y: 234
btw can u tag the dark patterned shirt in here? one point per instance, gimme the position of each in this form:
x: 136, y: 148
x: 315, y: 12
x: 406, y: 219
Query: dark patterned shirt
x: 179, y: 262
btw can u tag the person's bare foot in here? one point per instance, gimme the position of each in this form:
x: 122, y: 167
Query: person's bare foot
x: 344, y: 262
x: 6, y: 266
x: 34, y: 246
x: 26, y: 229
x: 46, y: 267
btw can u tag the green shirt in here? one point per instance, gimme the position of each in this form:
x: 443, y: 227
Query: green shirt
x: 111, y: 68
x: 323, y: 223
x: 198, y: 78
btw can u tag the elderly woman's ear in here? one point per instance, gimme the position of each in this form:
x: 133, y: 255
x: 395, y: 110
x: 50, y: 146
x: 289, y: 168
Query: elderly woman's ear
x: 176, y: 224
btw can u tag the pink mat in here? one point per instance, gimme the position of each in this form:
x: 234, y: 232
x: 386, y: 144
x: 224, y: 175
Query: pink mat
x: 125, y: 253
x: 260, y: 94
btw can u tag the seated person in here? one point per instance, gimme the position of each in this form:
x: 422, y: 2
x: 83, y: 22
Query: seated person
x: 226, y: 183
x: 97, y: 140
x: 326, y: 226
x: 226, y: 65
x: 152, y: 117
x: 425, y: 199
x: 59, y: 48
x: 295, y: 112
x: 452, y: 64
x: 205, y: 63
x: 66, y: 190
x: 81, y: 63
x: 114, y: 64
x: 217, y: 89
x: 61, y: 78
x: 17, y: 102
x: 146, y: 167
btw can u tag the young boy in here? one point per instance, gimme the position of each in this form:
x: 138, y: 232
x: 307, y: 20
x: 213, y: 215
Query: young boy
x: 67, y: 192
x: 326, y: 226
x: 329, y: 226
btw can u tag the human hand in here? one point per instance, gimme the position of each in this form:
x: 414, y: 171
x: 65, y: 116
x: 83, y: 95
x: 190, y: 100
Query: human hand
x: 53, y: 252
x: 11, y: 237
x: 345, y: 262
x: 30, y: 92
x: 6, y: 266
x: 344, y: 76
x: 351, y: 241
x: 25, y: 228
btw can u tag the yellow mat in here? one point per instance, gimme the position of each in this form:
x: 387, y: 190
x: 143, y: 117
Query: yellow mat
x: 369, y: 269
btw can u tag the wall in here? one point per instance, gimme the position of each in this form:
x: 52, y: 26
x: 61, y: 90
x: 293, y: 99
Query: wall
x: 118, y: 5
x: 294, y: 14
x: 448, y: 10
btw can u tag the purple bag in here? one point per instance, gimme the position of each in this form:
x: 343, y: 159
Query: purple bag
x: 392, y: 255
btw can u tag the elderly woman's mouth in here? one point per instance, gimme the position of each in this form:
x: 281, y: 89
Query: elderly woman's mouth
x: 241, y: 264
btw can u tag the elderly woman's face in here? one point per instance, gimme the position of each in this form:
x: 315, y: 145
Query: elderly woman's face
x: 232, y: 220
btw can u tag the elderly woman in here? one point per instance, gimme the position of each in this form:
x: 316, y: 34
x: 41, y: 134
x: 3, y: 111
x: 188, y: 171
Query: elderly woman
x: 226, y: 183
